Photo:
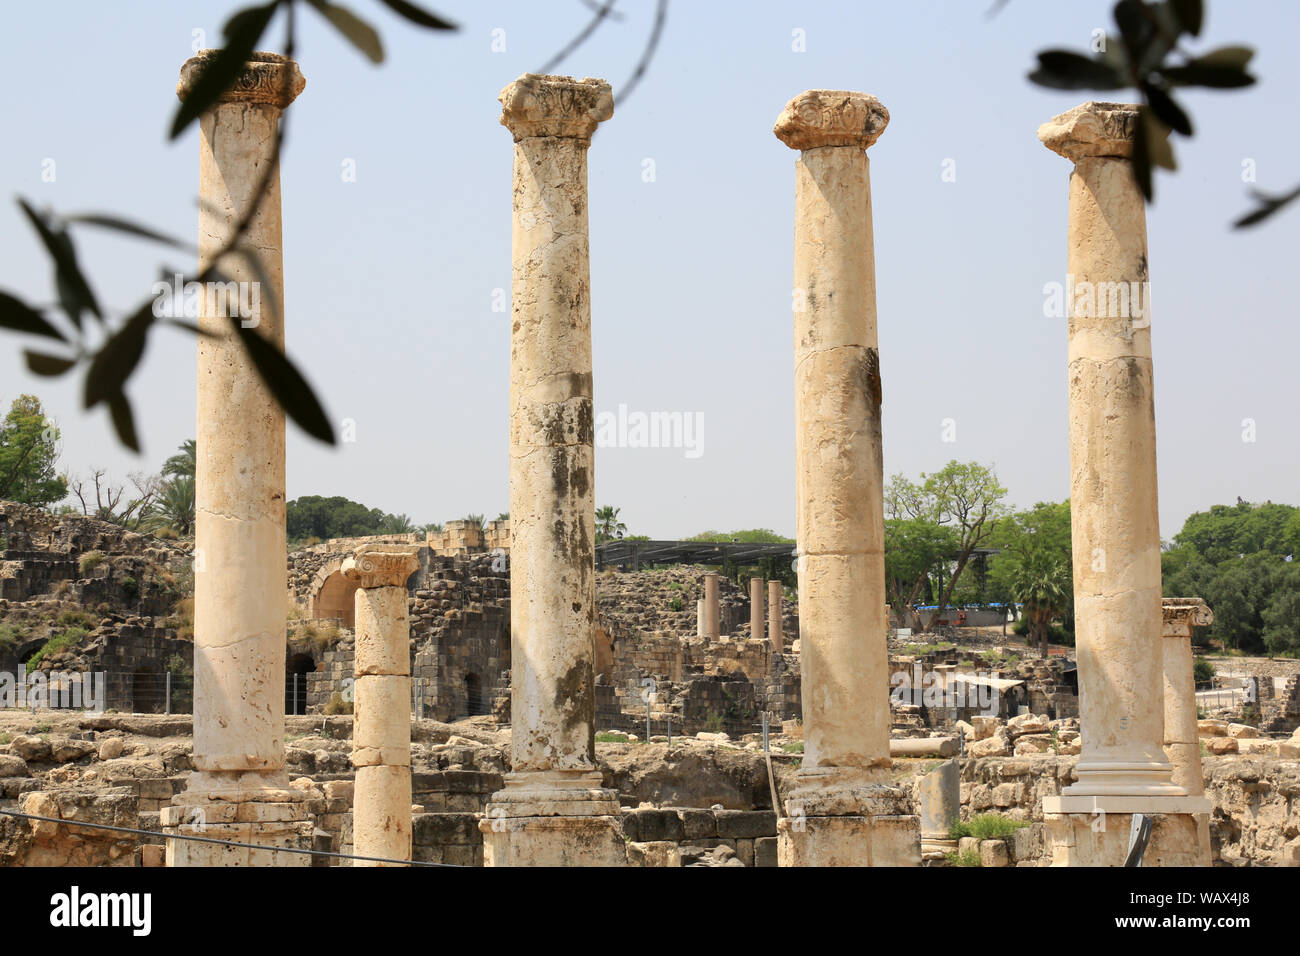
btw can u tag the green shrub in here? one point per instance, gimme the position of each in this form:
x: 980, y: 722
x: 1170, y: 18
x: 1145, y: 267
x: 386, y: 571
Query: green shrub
x: 969, y: 858
x: 91, y: 560
x: 76, y: 619
x: 59, y: 642
x: 337, y: 705
x: 986, y: 826
x: 676, y: 603
x: 1202, y: 670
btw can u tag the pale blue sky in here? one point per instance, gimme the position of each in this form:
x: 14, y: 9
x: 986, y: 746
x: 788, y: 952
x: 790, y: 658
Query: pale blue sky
x: 389, y: 279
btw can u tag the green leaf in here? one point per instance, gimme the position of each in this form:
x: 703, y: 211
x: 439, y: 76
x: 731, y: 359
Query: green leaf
x: 1067, y: 70
x: 48, y: 365
x: 242, y: 32
x: 417, y: 16
x: 1166, y: 110
x: 123, y: 421
x: 1226, y: 56
x: 1199, y: 74
x: 131, y: 228
x: 74, y: 291
x: 118, y: 357
x: 286, y: 384
x: 1134, y: 29
x: 19, y: 316
x: 1159, y: 150
x: 1190, y: 13
x: 1141, y: 160
x: 1268, y: 206
x: 359, y: 33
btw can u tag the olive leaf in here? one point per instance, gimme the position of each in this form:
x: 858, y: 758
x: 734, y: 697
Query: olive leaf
x: 417, y: 16
x: 19, y: 316
x: 359, y: 33
x: 242, y: 31
x: 286, y: 384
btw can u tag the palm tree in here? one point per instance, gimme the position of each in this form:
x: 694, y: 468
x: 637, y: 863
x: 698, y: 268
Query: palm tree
x: 479, y: 520
x: 396, y: 524
x: 182, y: 464
x: 1042, y: 586
x: 175, y: 507
x: 608, y: 527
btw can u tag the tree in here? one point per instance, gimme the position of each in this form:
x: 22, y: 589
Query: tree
x: 916, y: 550
x: 29, y: 452
x: 964, y: 497
x: 396, y: 524
x: 312, y: 516
x: 1043, y: 586
x: 174, y: 507
x: 101, y: 497
x: 184, y: 463
x: 746, y: 536
x: 608, y: 527
x: 1039, y: 538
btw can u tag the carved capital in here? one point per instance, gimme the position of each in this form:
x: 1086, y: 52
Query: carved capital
x: 267, y: 78
x: 819, y: 118
x: 380, y: 566
x: 1093, y: 129
x: 560, y: 106
x: 1182, y: 614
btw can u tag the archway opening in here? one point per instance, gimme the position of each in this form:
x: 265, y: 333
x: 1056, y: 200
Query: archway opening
x: 475, y: 703
x: 336, y: 598
x: 296, y: 669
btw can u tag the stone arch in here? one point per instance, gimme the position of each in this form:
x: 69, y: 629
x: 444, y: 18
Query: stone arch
x: 333, y: 595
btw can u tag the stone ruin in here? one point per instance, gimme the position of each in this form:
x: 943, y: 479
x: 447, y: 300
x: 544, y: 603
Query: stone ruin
x: 399, y: 791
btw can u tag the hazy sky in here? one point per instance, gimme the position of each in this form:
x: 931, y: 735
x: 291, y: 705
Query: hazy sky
x: 390, y: 279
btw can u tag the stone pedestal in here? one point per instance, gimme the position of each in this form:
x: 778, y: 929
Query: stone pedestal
x: 843, y: 809
x: 381, y: 735
x: 553, y: 809
x: 1113, y: 505
x: 239, y: 789
x: 756, y: 617
x: 775, y: 634
x: 712, y: 613
x: 939, y: 800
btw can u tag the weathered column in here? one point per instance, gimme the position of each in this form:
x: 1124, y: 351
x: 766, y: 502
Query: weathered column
x: 700, y: 627
x: 756, y: 617
x: 939, y: 800
x: 1182, y: 740
x: 239, y: 790
x: 1123, y: 768
x: 381, y: 723
x: 844, y: 810
x: 712, y: 617
x: 553, y: 810
x: 775, y: 634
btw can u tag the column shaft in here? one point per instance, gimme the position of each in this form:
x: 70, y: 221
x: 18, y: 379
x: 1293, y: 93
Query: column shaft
x: 712, y: 613
x: 756, y: 618
x: 775, y: 633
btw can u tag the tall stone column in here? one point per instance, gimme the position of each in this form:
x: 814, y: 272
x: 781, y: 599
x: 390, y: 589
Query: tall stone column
x: 553, y: 810
x: 1123, y: 768
x: 756, y: 618
x: 712, y: 618
x: 1182, y: 739
x: 775, y: 634
x: 239, y: 790
x: 844, y: 810
x: 381, y: 732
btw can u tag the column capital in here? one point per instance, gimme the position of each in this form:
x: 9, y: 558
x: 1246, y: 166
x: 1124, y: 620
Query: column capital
x: 381, y: 566
x: 817, y: 118
x: 267, y: 79
x: 1180, y: 615
x: 1092, y: 129
x: 558, y: 106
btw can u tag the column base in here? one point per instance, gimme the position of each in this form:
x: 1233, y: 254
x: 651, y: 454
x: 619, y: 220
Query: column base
x: 248, y: 808
x: 832, y: 820
x: 553, y: 818
x: 1085, y: 830
x: 936, y: 847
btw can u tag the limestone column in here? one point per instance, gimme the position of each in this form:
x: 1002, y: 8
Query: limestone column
x: 756, y: 620
x: 775, y: 634
x: 381, y: 723
x: 553, y: 810
x: 1182, y: 739
x: 712, y: 618
x: 843, y: 810
x: 239, y: 789
x: 1123, y: 768
x: 938, y: 797
x: 700, y: 627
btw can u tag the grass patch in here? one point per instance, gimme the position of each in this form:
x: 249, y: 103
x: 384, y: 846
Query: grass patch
x: 90, y: 560
x: 794, y: 748
x: 611, y: 738
x: 986, y: 826
x: 59, y: 642
x: 969, y: 858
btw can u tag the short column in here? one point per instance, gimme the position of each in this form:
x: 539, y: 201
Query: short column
x: 757, y: 621
x: 712, y: 616
x: 381, y: 723
x: 775, y: 633
x: 1182, y: 739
